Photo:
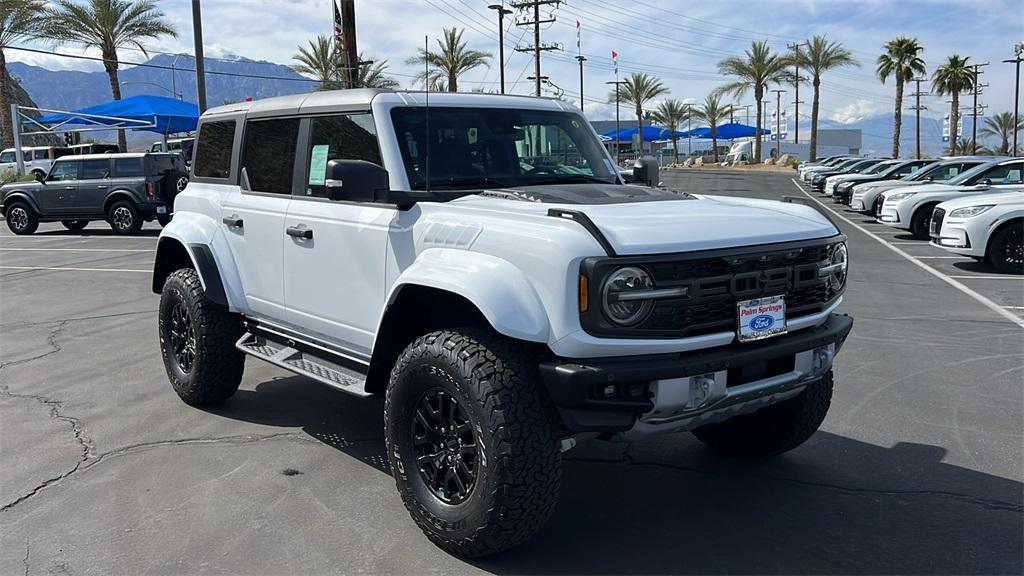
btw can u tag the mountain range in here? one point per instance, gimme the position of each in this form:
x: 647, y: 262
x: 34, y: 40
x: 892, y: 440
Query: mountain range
x: 237, y: 78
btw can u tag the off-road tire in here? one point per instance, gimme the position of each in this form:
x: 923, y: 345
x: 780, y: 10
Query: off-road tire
x: 75, y: 225
x: 773, y: 430
x: 513, y: 423
x: 215, y: 370
x: 21, y: 219
x: 920, y: 221
x: 124, y: 218
x: 163, y: 219
x: 1004, y: 248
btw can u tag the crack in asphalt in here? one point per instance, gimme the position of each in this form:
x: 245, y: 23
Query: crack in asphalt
x: 627, y: 458
x: 51, y: 339
x: 87, y: 462
x: 77, y: 319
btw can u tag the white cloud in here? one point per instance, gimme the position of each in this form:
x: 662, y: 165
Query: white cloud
x: 856, y: 111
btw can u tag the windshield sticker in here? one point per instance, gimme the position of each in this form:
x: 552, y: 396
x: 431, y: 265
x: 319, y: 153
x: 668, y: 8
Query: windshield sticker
x: 318, y: 164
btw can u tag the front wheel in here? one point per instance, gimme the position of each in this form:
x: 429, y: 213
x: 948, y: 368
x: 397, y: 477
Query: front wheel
x: 471, y: 441
x: 75, y: 225
x: 920, y: 221
x: 197, y: 342
x: 1006, y: 248
x: 773, y: 430
x: 21, y: 219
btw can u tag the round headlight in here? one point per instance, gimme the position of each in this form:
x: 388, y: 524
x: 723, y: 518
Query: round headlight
x: 839, y: 259
x: 617, y: 305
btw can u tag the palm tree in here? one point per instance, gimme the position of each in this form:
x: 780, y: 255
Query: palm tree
x: 639, y: 89
x: 901, y: 61
x: 375, y: 75
x: 713, y: 111
x: 1001, y: 126
x: 671, y: 114
x: 820, y: 55
x: 19, y: 20
x: 322, y: 60
x: 965, y: 147
x: 453, y: 60
x: 953, y: 77
x: 107, y: 25
x: 754, y: 71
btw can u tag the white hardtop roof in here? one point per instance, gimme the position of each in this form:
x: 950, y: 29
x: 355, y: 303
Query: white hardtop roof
x: 103, y: 156
x: 362, y: 98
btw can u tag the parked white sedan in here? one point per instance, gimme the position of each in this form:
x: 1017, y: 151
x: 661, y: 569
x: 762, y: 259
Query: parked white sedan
x: 911, y: 208
x: 866, y: 198
x: 990, y: 227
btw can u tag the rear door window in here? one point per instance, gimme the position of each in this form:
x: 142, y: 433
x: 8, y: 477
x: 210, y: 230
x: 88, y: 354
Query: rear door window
x: 269, y: 154
x: 95, y: 169
x: 213, y: 159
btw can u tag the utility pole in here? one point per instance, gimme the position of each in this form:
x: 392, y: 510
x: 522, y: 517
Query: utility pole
x: 778, y: 123
x: 974, y: 112
x: 351, y: 52
x: 581, y: 59
x: 197, y: 38
x: 502, y: 11
x: 917, y: 106
x: 617, y: 83
x: 1018, y: 50
x: 537, y: 47
x: 747, y: 108
x: 795, y: 47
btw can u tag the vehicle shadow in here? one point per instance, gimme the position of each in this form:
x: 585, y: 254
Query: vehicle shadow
x: 89, y: 232
x: 906, y: 236
x: 970, y: 265
x: 668, y: 505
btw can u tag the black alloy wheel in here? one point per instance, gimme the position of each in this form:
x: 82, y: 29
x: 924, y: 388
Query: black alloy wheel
x: 1007, y: 248
x: 183, y: 338
x: 445, y: 447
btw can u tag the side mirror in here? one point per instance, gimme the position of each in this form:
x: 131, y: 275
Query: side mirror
x: 929, y: 178
x: 40, y: 177
x: 983, y: 183
x: 645, y: 171
x: 355, y: 180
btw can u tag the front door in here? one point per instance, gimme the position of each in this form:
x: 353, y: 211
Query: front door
x: 93, y: 186
x: 334, y: 262
x: 57, y: 194
x: 253, y: 218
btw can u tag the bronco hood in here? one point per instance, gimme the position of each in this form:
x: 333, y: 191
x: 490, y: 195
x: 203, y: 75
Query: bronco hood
x: 654, y: 221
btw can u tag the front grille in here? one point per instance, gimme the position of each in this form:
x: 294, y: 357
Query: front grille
x: 878, y: 206
x: 936, y: 226
x: 716, y: 284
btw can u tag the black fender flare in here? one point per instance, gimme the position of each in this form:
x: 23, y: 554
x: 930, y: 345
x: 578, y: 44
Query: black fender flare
x: 116, y: 196
x: 172, y: 254
x: 19, y: 196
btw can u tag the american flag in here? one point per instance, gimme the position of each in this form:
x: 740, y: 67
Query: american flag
x: 339, y: 32
x: 577, y: 35
x: 615, y: 61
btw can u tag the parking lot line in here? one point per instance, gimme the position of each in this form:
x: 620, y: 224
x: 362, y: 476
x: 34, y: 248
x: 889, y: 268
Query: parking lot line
x: 1017, y: 278
x: 76, y: 250
x: 940, y: 257
x: 913, y: 259
x: 69, y: 269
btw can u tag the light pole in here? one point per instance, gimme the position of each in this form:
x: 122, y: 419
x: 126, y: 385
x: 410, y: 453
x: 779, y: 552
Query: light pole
x: 581, y: 58
x: 617, y: 83
x: 502, y: 11
x: 1018, y: 50
x: 778, y: 123
x: 164, y: 88
x: 197, y: 38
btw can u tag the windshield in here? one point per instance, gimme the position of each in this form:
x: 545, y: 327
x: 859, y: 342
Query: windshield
x: 967, y: 175
x: 880, y: 167
x: 472, y: 148
x: 862, y: 165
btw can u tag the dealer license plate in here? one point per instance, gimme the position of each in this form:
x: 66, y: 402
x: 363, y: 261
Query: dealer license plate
x: 761, y: 318
x: 161, y: 209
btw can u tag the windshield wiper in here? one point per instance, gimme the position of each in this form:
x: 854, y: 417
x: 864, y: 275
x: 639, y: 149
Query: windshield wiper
x: 464, y: 182
x: 567, y: 179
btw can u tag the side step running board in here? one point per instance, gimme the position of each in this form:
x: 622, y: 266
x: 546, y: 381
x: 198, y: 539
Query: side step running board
x: 303, y: 363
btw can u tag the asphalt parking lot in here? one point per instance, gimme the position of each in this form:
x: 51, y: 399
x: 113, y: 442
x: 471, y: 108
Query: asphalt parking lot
x: 917, y: 469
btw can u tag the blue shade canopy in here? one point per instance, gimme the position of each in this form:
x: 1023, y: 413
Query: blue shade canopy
x: 727, y: 131
x: 150, y: 113
x: 651, y: 134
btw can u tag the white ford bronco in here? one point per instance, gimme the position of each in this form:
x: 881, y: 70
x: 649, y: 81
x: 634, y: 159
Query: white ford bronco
x: 478, y: 260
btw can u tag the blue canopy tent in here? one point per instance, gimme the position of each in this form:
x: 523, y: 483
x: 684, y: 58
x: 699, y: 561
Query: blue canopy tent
x: 727, y: 131
x: 150, y: 113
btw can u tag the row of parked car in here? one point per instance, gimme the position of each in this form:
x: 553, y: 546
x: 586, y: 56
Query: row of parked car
x: 124, y: 190
x: 968, y: 205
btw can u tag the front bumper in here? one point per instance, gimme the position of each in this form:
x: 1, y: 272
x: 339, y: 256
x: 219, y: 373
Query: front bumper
x: 674, y: 392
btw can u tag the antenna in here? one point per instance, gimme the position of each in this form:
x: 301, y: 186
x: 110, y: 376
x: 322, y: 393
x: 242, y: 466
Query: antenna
x: 426, y: 80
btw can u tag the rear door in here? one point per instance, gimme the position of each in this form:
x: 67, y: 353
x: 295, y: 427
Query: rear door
x: 56, y: 196
x: 253, y: 218
x: 93, y: 185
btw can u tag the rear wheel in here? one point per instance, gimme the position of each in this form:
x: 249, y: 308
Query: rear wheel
x: 74, y: 224
x: 772, y: 430
x: 471, y: 441
x: 197, y: 342
x: 21, y: 219
x: 124, y: 218
x: 1006, y: 248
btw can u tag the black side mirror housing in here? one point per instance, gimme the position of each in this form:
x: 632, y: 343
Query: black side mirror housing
x: 39, y: 177
x: 356, y: 180
x: 645, y: 171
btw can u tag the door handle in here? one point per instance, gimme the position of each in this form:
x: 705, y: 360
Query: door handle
x: 234, y: 221
x: 101, y: 186
x: 304, y: 233
x: 69, y: 187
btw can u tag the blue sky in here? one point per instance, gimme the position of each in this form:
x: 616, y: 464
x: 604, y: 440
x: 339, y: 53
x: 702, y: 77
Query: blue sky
x: 678, y: 41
